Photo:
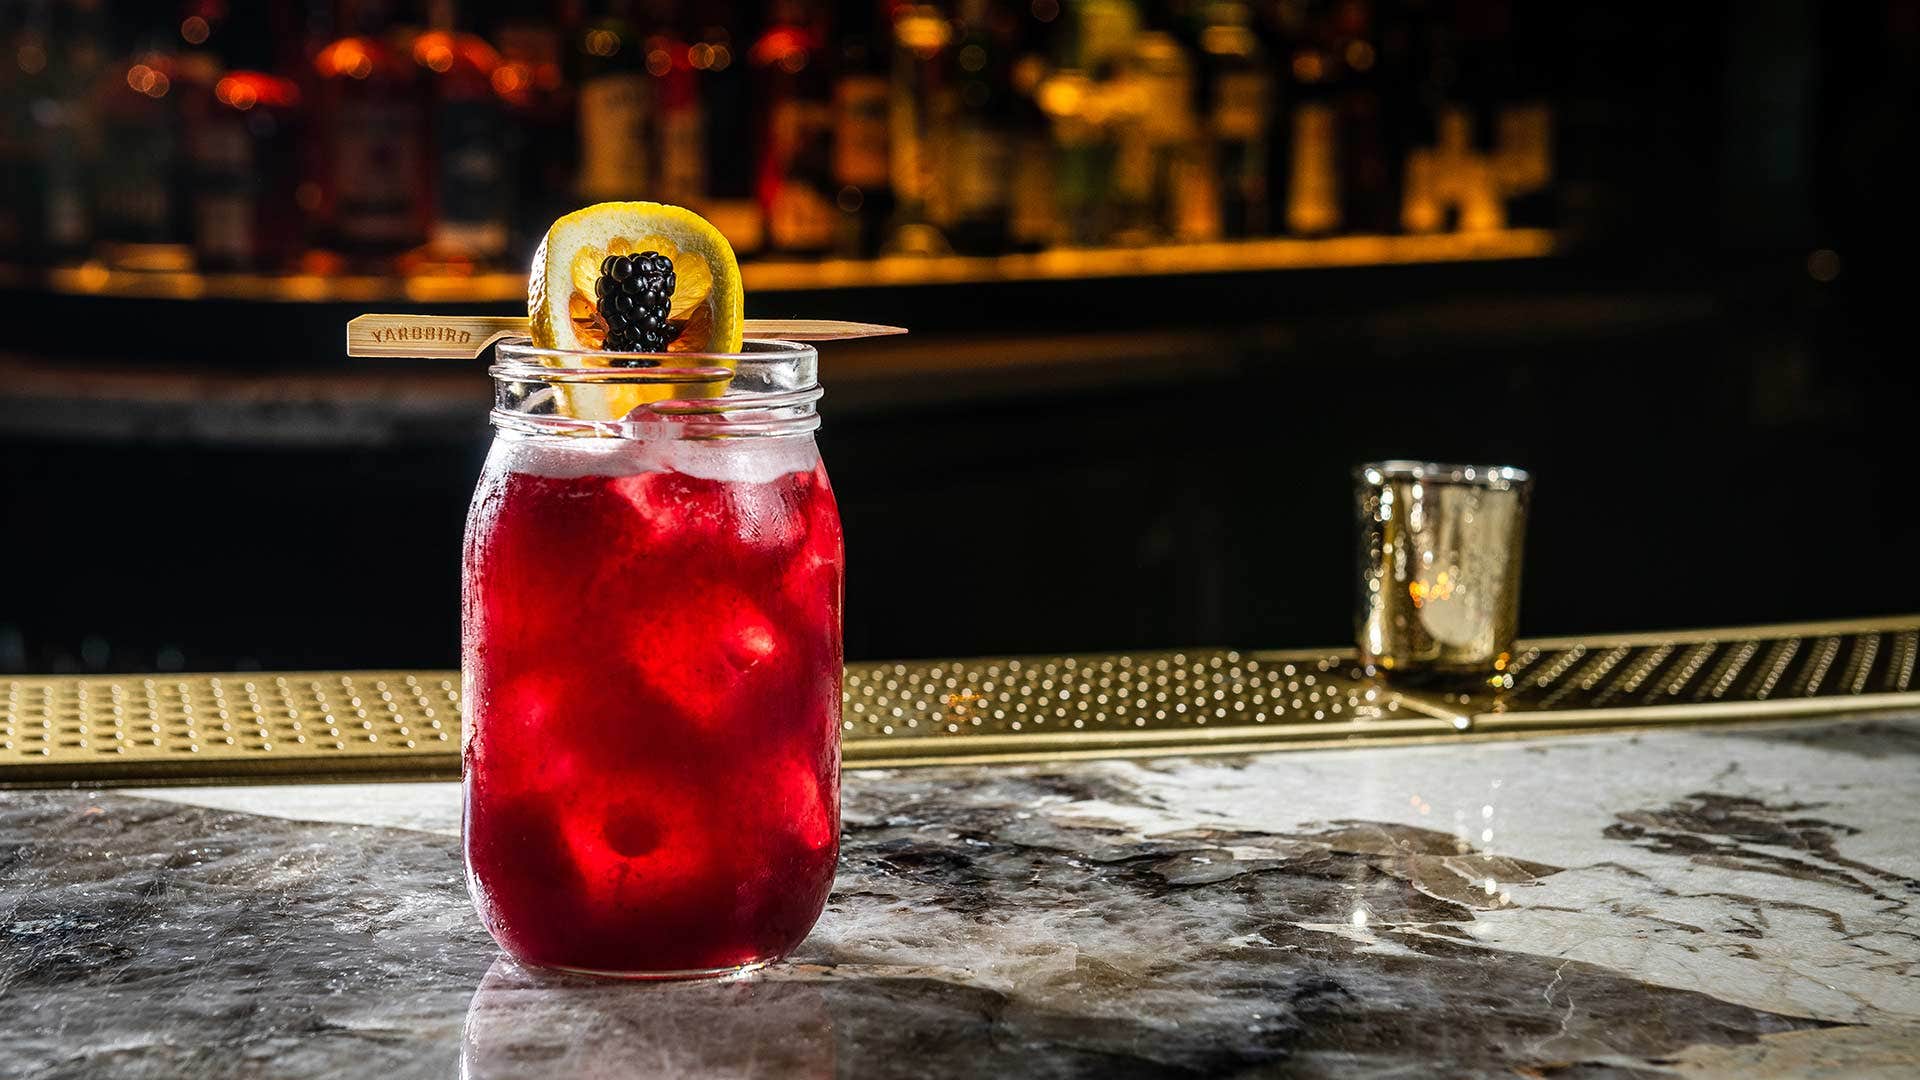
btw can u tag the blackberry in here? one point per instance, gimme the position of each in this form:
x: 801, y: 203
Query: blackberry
x: 633, y: 294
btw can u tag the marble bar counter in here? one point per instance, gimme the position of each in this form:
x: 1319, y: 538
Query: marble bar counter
x: 1698, y: 902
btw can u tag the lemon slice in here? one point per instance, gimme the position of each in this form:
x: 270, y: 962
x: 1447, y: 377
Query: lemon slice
x: 705, y: 309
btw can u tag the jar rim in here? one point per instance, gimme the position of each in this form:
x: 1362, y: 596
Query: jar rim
x: 772, y: 387
x: 520, y: 358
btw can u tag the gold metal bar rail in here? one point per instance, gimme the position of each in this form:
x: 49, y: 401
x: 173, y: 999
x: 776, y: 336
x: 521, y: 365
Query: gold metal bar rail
x: 284, y: 726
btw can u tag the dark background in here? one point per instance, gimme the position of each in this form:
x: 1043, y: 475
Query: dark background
x: 1713, y: 384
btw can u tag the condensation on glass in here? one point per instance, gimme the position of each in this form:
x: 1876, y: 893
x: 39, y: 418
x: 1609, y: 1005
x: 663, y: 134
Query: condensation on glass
x: 652, y: 661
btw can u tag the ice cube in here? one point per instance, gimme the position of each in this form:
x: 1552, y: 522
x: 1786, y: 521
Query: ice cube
x: 695, y: 649
x: 811, y: 583
x: 639, y: 851
x: 674, y: 509
x: 800, y: 801
x: 513, y: 722
x: 519, y: 844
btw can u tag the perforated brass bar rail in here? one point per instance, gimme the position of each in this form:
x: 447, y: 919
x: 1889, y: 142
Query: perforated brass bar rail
x: 398, y: 724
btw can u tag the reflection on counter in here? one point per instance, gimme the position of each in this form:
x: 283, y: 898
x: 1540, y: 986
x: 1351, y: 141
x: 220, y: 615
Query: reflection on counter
x: 572, y: 1025
x: 1657, y: 903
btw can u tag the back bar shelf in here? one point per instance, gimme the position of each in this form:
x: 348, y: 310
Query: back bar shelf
x: 95, y: 278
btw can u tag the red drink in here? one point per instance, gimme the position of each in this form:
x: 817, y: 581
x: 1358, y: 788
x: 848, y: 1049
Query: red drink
x: 653, y: 660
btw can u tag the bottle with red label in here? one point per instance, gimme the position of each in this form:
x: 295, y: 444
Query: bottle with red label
x: 794, y: 173
x: 244, y: 130
x: 375, y: 170
x: 539, y: 101
x: 472, y: 177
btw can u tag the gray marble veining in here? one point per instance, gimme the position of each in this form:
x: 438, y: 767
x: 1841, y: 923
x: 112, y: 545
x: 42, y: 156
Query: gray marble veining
x: 1699, y: 903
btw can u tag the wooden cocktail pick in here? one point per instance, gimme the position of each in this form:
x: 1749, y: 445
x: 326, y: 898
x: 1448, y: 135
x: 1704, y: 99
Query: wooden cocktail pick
x: 463, y: 337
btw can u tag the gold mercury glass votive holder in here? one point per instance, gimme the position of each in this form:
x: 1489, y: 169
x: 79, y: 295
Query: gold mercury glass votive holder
x: 1440, y: 550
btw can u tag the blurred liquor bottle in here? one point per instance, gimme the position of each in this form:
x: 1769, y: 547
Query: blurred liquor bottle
x: 83, y: 47
x: 916, y: 142
x: 1033, y: 220
x: 375, y: 175
x: 1080, y: 100
x: 473, y: 192
x: 52, y: 136
x: 864, y: 185
x: 980, y: 145
x: 679, y: 147
x: 244, y: 130
x: 1237, y: 92
x: 1482, y: 151
x: 723, y: 30
x: 140, y: 197
x: 1368, y: 172
x: 1157, y: 136
x: 1523, y: 124
x: 1469, y: 123
x: 532, y: 83
x: 1312, y: 177
x: 18, y: 51
x: 1431, y: 68
x: 1170, y: 67
x: 1396, y: 39
x: 795, y: 140
x: 616, y: 106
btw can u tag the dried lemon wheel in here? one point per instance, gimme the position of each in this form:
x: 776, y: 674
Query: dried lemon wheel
x: 565, y: 291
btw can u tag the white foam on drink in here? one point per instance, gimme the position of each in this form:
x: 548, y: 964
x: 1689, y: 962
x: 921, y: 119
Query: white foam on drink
x: 735, y: 461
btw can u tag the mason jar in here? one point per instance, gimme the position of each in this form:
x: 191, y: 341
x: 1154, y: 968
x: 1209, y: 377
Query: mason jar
x: 651, y: 643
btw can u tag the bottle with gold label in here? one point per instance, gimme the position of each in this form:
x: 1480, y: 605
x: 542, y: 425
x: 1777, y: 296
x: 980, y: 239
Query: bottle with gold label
x: 1312, y: 177
x: 1081, y: 100
x: 1032, y: 218
x: 1237, y: 90
x: 615, y: 106
x: 1153, y: 117
x: 916, y: 132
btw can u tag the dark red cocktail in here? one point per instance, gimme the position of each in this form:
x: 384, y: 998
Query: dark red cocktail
x: 652, y: 661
